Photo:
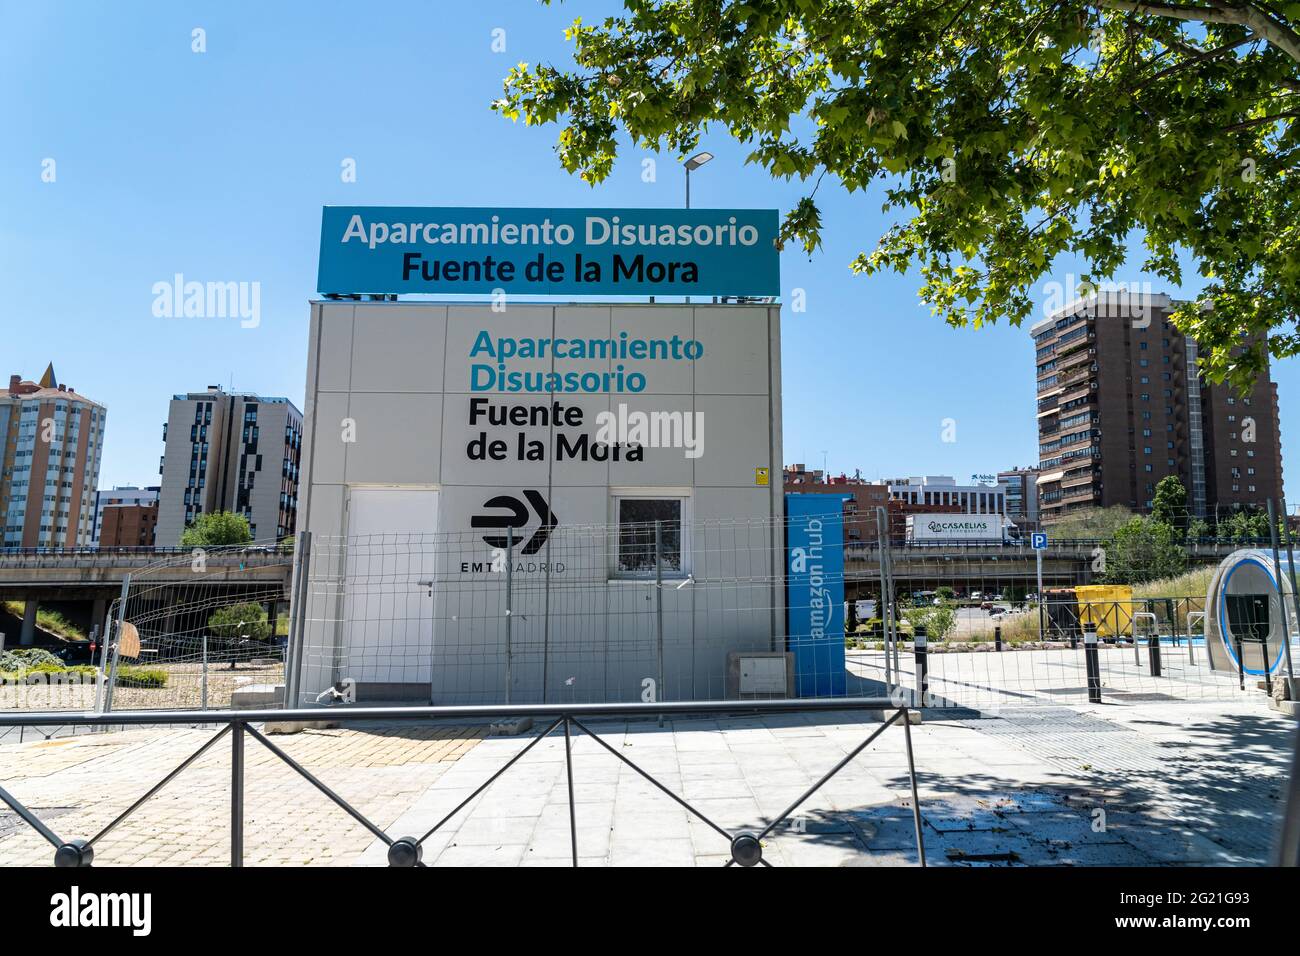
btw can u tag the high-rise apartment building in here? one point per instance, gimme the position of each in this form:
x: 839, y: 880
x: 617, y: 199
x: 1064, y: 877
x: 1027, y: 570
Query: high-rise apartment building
x: 235, y: 452
x: 1121, y: 405
x: 51, y: 440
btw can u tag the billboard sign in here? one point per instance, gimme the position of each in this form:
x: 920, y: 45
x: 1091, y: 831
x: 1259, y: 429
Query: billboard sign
x: 815, y: 593
x: 520, y: 251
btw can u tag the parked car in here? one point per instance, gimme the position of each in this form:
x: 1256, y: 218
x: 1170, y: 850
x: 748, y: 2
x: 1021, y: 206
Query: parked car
x: 75, y: 652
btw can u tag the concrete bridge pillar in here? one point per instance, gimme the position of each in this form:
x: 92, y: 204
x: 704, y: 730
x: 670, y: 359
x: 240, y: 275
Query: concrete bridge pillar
x: 98, y: 614
x: 28, y: 635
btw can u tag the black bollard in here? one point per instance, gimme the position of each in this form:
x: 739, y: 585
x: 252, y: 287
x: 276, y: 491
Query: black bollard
x: 922, y: 669
x: 997, y: 638
x: 1153, y: 650
x: 1268, y: 673
x: 1092, y: 664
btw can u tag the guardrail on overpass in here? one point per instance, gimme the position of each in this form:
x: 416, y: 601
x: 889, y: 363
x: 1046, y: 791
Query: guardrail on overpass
x: 91, y: 574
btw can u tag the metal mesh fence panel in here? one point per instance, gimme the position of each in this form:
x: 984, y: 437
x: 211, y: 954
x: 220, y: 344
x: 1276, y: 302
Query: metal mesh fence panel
x: 588, y: 615
x: 194, y: 630
x: 655, y: 612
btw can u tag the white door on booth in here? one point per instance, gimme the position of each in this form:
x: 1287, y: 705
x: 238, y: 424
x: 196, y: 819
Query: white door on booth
x: 388, y: 613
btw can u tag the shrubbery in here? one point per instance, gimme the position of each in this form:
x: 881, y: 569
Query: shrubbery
x: 29, y: 658
x: 140, y: 677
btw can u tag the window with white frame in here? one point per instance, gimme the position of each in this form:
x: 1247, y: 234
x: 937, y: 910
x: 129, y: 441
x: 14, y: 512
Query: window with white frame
x: 636, y: 517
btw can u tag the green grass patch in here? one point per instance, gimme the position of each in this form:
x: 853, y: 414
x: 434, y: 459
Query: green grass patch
x: 140, y: 677
x: 50, y: 621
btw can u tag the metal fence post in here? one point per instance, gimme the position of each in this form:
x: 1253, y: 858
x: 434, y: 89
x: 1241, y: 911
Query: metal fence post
x: 1281, y: 597
x: 659, y: 609
x: 237, y: 793
x: 1092, y: 663
x: 510, y: 588
x: 568, y: 776
x: 205, y: 671
x: 892, y: 644
x: 1290, y: 568
x: 916, y: 797
x: 111, y: 678
x: 882, y: 537
x: 297, y: 618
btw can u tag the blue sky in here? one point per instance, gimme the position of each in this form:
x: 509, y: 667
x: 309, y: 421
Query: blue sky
x: 215, y: 165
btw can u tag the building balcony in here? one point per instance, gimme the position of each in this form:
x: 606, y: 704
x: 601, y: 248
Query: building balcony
x: 1075, y: 375
x: 1075, y: 358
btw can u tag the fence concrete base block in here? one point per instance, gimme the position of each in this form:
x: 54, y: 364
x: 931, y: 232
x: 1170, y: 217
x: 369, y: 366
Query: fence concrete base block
x: 510, y: 728
x: 252, y: 696
x: 1286, y: 688
x: 1289, y: 707
x: 298, y: 726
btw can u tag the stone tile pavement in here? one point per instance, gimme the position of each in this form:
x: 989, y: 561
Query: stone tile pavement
x: 1137, y: 785
x: 1150, y: 783
x: 79, y: 784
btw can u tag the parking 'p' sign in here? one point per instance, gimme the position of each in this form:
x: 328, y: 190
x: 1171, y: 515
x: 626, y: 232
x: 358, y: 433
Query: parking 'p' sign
x: 1038, y: 540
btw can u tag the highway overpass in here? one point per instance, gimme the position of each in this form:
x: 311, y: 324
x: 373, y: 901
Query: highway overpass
x: 983, y: 567
x: 94, y: 577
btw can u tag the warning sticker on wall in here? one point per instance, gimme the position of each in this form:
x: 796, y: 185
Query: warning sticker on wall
x: 761, y: 477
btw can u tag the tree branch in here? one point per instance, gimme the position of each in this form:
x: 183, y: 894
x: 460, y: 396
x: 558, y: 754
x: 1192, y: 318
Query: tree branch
x: 1278, y: 34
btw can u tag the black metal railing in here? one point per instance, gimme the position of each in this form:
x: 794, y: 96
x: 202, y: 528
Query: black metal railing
x: 746, y: 845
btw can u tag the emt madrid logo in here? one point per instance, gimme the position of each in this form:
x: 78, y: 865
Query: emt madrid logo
x: 518, y: 517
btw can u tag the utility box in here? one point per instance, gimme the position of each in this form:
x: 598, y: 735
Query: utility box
x: 760, y: 675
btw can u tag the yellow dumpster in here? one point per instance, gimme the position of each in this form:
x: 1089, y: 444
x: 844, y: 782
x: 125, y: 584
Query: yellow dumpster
x: 1107, y: 607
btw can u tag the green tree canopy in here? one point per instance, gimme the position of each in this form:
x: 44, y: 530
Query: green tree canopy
x: 1005, y: 133
x: 1243, y: 526
x: 938, y: 620
x: 1144, y: 550
x: 1169, y: 505
x: 240, y: 620
x: 216, y: 529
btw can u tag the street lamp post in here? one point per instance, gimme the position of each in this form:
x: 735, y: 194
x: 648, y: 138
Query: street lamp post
x: 695, y: 162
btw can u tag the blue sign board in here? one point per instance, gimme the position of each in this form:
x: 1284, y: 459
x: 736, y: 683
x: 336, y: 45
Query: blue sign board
x: 1038, y: 540
x: 485, y: 251
x: 814, y: 586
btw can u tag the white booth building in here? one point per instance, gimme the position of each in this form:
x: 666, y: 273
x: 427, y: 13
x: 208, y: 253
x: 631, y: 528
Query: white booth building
x: 476, y: 536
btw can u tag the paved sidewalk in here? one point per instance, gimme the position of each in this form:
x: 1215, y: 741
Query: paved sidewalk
x: 79, y: 784
x: 1141, y: 785
x: 1136, y: 784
